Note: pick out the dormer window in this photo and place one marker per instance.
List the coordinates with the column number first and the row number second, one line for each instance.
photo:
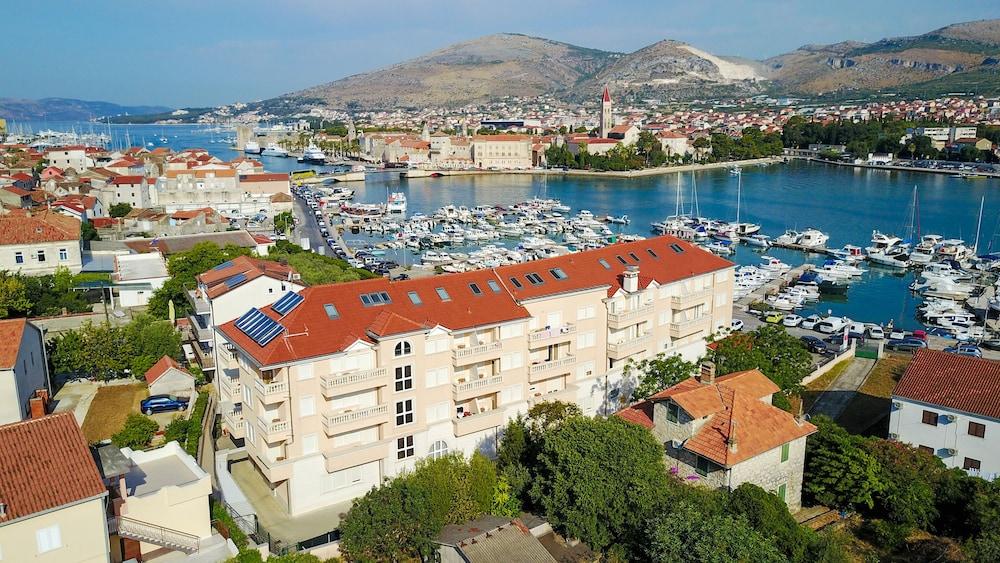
column 673, row 412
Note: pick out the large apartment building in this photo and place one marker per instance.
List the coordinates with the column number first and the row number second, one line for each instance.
column 336, row 387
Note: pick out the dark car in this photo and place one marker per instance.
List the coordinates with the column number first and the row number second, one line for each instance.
column 906, row 345
column 163, row 403
column 965, row 350
column 814, row 344
column 991, row 344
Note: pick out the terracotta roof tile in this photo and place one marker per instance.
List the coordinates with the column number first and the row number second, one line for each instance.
column 161, row 367
column 46, row 226
column 11, row 333
column 640, row 413
column 45, row 464
column 957, row 382
column 214, row 279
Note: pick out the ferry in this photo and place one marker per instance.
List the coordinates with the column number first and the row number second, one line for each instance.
column 396, row 203
column 273, row 149
column 252, row 147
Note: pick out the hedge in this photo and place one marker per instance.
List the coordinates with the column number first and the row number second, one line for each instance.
column 194, row 426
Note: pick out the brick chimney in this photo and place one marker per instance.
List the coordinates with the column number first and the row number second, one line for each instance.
column 630, row 279
column 37, row 407
column 731, row 441
column 707, row 372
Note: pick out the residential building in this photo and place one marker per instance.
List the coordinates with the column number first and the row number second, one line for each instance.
column 501, row 152
column 23, row 368
column 265, row 184
column 38, row 243
column 52, row 497
column 490, row 539
column 941, row 136
column 137, row 276
column 625, row 134
column 673, row 143
column 167, row 377
column 339, row 386
column 133, row 190
column 75, row 157
column 945, row 404
column 723, row 432
column 168, row 245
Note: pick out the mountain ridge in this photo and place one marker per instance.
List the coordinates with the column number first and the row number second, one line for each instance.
column 68, row 109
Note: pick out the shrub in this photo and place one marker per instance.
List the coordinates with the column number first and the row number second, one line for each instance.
column 177, row 430
column 194, row 425
column 137, row 432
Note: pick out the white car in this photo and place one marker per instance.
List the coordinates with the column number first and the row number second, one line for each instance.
column 810, row 322
column 831, row 325
column 874, row 332
column 792, row 320
column 736, row 325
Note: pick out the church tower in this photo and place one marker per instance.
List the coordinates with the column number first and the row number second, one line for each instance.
column 606, row 120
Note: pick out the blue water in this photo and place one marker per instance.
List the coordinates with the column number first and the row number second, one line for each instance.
column 844, row 202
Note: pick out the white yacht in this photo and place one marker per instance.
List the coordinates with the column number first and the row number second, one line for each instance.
column 894, row 257
column 954, row 249
column 849, row 253
column 882, row 242
column 812, row 238
column 758, row 240
column 252, row 147
column 396, row 203
column 790, row 237
column 925, row 250
column 272, row 149
column 313, row 155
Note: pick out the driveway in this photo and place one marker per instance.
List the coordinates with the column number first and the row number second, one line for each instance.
column 835, row 399
column 75, row 397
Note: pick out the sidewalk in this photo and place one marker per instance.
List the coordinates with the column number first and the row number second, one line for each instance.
column 835, row 399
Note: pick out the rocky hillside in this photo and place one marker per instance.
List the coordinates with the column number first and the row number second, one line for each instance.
column 889, row 63
column 66, row 109
column 492, row 66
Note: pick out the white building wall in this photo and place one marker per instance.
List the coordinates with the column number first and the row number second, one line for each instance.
column 949, row 439
column 32, row 264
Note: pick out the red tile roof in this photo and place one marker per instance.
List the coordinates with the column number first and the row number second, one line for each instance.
column 45, row 464
column 118, row 180
column 264, row 178
column 214, row 279
column 952, row 381
column 17, row 191
column 46, row 226
column 11, row 333
column 640, row 413
column 165, row 364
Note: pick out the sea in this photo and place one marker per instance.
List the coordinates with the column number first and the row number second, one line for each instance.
column 844, row 202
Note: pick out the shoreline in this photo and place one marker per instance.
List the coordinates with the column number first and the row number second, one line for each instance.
column 610, row 173
column 891, row 168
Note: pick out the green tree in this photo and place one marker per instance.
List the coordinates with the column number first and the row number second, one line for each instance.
column 659, row 372
column 909, row 477
column 88, row 232
column 150, row 340
column 599, row 480
column 137, row 432
column 183, row 267
column 687, row 534
column 120, row 210
column 546, row 415
column 284, row 221
column 768, row 515
column 13, row 295
column 504, row 501
column 779, row 355
column 839, row 470
column 317, row 269
column 392, row 522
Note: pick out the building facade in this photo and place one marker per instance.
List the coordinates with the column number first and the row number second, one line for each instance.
column 607, row 120
column 37, row 243
column 340, row 386
column 944, row 404
column 23, row 368
column 501, row 152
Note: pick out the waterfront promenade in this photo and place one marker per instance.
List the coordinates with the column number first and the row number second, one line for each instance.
column 891, row 167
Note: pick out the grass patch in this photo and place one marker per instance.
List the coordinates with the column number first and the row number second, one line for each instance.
column 111, row 406
column 871, row 403
column 816, row 387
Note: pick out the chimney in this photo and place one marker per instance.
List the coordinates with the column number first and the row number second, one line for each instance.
column 731, row 442
column 708, row 372
column 37, row 407
column 630, row 279
column 43, row 393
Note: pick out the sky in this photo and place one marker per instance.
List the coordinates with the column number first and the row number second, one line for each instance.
column 183, row 53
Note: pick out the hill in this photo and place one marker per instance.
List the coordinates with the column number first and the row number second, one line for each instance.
column 67, row 109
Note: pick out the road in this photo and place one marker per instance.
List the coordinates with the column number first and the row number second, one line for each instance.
column 306, row 226
column 835, row 398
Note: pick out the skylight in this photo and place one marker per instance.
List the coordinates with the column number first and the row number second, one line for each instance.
column 516, row 283
column 414, row 298
column 604, row 263
column 634, row 257
column 443, row 294
column 558, row 273
column 331, row 311
column 620, row 259
column 651, row 253
column 493, row 285
column 535, row 279
column 376, row 298
column 475, row 289
column 677, row 248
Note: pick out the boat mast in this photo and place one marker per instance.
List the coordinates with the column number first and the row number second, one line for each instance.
column 677, row 198
column 739, row 190
column 979, row 224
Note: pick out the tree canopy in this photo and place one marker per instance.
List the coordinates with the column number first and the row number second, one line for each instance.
column 106, row 351
column 777, row 354
column 659, row 372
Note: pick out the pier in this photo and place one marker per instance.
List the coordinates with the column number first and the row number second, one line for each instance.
column 773, row 286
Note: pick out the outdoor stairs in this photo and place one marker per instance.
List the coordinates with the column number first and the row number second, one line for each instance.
column 157, row 535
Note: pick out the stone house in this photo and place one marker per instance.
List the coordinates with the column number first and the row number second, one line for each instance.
column 723, row 432
column 167, row 377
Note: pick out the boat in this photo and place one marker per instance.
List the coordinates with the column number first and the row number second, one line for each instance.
column 252, row 147
column 812, row 238
column 849, row 253
column 735, row 170
column 790, row 237
column 882, row 242
column 926, row 249
column 313, row 155
column 721, row 247
column 739, row 229
column 272, row 149
column 396, row 203
column 894, row 257
column 758, row 240
column 620, row 220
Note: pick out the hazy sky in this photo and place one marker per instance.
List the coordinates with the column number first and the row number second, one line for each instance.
column 209, row 52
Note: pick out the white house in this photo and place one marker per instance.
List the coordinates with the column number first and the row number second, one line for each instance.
column 137, row 276
column 37, row 243
column 946, row 404
column 167, row 377
column 23, row 368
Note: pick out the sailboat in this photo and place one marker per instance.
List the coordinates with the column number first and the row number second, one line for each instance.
column 742, row 230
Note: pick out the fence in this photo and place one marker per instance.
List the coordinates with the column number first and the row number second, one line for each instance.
column 828, row 365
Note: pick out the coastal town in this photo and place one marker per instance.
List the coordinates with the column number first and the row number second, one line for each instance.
column 621, row 324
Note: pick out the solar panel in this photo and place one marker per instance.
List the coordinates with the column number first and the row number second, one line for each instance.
column 236, row 280
column 259, row 327
column 224, row 265
column 287, row 302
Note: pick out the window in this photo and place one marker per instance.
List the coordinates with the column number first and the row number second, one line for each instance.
column 19, row 257
column 331, row 311
column 310, row 444
column 930, row 417
column 926, row 449
column 438, row 412
column 673, row 412
column 976, row 429
column 511, row 360
column 403, row 349
column 404, row 412
column 604, row 263
column 970, row 463
column 48, row 538
column 414, row 298
column 404, row 378
column 41, row 255
column 438, row 449
column 633, row 256
column 516, row 283
column 703, row 466
column 443, row 294
column 620, row 259
column 404, row 447
column 376, row 298
column 677, row 248
column 558, row 273
column 782, row 491
column 475, row 289
column 307, row 406
column 63, row 254
column 494, row 286
column 435, row 377
column 586, row 340
column 584, row 313
column 651, row 253
column 784, row 452
column 534, row 278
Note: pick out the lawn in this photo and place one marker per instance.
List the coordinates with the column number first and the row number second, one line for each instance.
column 111, row 405
column 871, row 403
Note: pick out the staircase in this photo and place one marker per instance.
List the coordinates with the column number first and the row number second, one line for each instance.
column 157, row 535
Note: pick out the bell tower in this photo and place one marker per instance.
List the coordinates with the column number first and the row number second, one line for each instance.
column 607, row 122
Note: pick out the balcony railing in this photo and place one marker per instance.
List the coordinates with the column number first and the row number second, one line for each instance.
column 552, row 334
column 567, row 393
column 335, row 384
column 616, row 320
column 689, row 327
column 346, row 421
column 477, row 422
column 477, row 387
column 353, row 456
column 231, row 385
column 476, row 353
column 550, row 365
column 629, row 345
column 271, row 392
column 200, row 304
column 688, row 299
column 201, row 330
column 275, row 430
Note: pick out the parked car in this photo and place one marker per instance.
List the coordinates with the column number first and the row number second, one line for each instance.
column 774, row 317
column 874, row 332
column 792, row 320
column 810, row 322
column 965, row 350
column 736, row 325
column 906, row 345
column 163, row 403
column 831, row 325
column 814, row 344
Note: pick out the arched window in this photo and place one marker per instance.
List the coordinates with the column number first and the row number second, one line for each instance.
column 403, row 349
column 438, row 449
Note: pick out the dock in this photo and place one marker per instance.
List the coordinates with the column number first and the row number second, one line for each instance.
column 336, row 177
column 802, row 248
column 774, row 285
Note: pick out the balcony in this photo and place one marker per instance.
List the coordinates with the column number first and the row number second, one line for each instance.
column 629, row 346
column 552, row 335
column 200, row 328
column 473, row 354
column 230, row 386
column 550, row 367
column 199, row 304
column 271, row 393
column 622, row 320
column 477, row 387
column 353, row 456
column 690, row 299
column 274, row 431
column 352, row 381
column 566, row 395
column 477, row 422
column 232, row 419
column 687, row 328
column 341, row 422
column 206, row 359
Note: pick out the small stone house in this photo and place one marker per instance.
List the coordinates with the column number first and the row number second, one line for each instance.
column 724, row 431
column 167, row 377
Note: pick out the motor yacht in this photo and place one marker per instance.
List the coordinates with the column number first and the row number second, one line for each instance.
column 272, row 149
column 313, row 155
column 882, row 242
column 812, row 238
column 252, row 147
column 758, row 240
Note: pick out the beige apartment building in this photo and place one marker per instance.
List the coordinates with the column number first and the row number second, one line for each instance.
column 501, row 152
column 336, row 387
